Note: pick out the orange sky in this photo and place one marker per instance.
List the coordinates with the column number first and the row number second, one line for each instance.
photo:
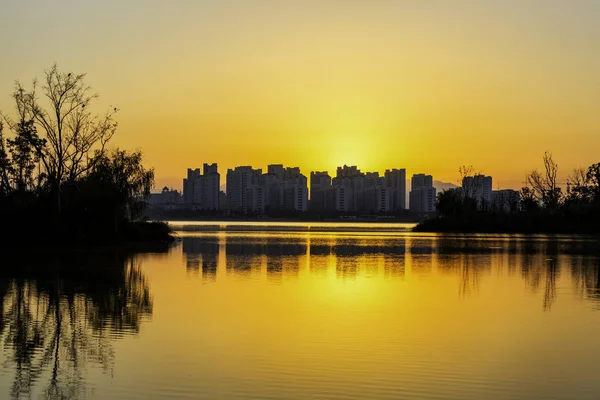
column 425, row 85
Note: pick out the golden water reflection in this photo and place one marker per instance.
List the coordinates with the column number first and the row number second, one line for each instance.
column 307, row 315
column 538, row 260
column 60, row 314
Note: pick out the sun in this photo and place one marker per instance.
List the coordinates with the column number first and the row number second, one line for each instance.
column 353, row 150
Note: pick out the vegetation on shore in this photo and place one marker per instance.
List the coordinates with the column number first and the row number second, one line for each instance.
column 59, row 181
column 542, row 207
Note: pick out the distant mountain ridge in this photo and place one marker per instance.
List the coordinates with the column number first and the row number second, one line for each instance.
column 441, row 186
column 438, row 185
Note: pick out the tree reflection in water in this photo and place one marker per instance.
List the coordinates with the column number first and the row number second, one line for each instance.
column 585, row 273
column 58, row 316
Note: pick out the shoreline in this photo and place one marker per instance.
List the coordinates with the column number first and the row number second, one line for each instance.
column 135, row 237
column 521, row 227
column 373, row 220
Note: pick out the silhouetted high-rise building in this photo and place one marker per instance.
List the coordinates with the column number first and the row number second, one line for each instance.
column 348, row 172
column 478, row 187
column 506, row 200
column 421, row 180
column 395, row 179
column 201, row 191
column 343, row 197
column 378, row 199
column 192, row 187
column 257, row 198
column 295, row 190
column 238, row 181
column 320, row 183
column 223, row 205
column 422, row 194
column 212, row 187
column 352, row 178
column 293, row 173
column 276, row 169
column 273, row 186
column 249, row 190
column 295, row 197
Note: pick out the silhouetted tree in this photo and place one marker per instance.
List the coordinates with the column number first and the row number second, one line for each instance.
column 540, row 206
column 593, row 181
column 25, row 156
column 71, row 132
column 577, row 179
column 117, row 188
column 544, row 186
column 529, row 202
column 468, row 186
column 5, row 165
column 452, row 203
column 57, row 175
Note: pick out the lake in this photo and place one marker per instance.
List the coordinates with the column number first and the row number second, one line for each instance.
column 300, row 311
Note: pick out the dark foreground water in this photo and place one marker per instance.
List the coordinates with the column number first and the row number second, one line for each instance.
column 306, row 315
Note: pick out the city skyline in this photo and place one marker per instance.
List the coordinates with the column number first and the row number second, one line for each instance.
column 300, row 199
column 179, row 186
column 321, row 84
column 284, row 189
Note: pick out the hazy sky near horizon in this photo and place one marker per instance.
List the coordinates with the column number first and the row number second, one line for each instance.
column 425, row 85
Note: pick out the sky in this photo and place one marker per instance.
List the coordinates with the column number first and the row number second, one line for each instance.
column 423, row 85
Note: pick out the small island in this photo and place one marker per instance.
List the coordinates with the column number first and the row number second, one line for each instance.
column 541, row 206
column 60, row 183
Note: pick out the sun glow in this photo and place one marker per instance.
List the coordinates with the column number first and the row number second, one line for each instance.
column 316, row 85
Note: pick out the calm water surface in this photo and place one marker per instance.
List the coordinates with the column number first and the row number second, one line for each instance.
column 296, row 313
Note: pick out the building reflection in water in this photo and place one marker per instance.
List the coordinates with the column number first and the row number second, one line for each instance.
column 321, row 256
column 421, row 255
column 201, row 255
column 538, row 261
column 241, row 256
column 60, row 314
column 347, row 256
column 278, row 257
column 244, row 258
column 284, row 258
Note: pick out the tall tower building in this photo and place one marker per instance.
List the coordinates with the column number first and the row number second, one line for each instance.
column 238, row 181
column 320, row 183
column 395, row 179
column 478, row 187
column 192, row 189
column 201, row 191
column 276, row 169
column 212, row 187
column 422, row 194
column 295, row 190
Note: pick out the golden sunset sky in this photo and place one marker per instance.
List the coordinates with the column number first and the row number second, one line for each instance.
column 425, row 85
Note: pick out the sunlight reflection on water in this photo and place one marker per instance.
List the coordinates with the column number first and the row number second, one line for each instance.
column 305, row 314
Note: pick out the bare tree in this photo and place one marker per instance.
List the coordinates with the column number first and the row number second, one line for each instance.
column 468, row 185
column 544, row 186
column 577, row 177
column 577, row 185
column 72, row 133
